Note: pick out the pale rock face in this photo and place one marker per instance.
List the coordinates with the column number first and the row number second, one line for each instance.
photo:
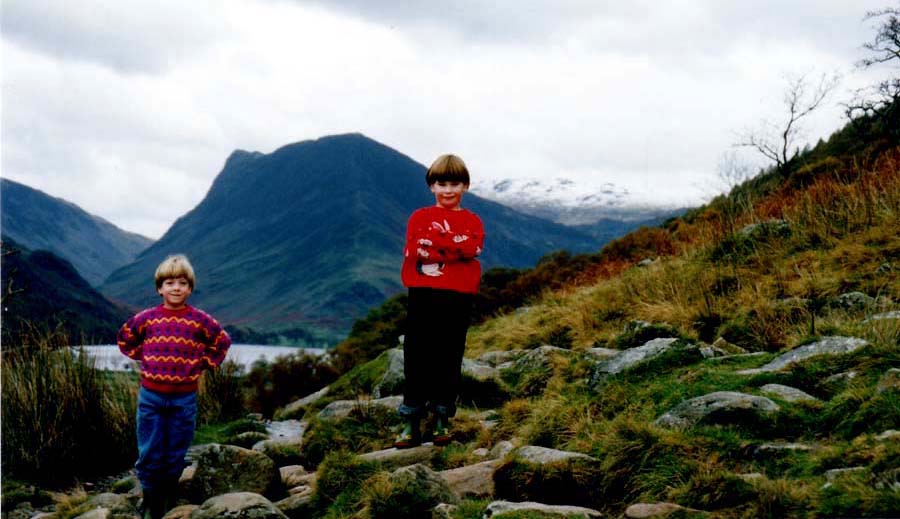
column 342, row 408
column 790, row 394
column 543, row 455
column 826, row 346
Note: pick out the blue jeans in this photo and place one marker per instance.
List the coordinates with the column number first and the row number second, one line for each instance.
column 165, row 429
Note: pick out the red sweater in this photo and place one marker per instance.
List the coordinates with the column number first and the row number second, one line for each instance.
column 173, row 346
column 441, row 250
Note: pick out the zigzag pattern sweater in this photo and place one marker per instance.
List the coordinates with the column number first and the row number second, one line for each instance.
column 173, row 346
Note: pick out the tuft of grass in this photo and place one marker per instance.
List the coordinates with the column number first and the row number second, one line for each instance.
column 366, row 429
column 59, row 411
column 340, row 476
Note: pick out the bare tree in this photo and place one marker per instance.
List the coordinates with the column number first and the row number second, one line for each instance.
column 884, row 48
column 802, row 97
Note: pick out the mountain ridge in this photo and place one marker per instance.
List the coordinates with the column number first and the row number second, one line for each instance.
column 319, row 225
column 39, row 221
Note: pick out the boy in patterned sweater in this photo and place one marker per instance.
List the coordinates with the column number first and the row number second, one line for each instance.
column 442, row 272
column 174, row 342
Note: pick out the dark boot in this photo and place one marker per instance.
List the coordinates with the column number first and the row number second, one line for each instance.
column 151, row 504
column 410, row 436
column 442, row 432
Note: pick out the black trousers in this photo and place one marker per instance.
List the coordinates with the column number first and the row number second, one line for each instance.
column 436, row 326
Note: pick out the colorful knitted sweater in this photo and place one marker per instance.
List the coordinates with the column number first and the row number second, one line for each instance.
column 442, row 247
column 173, row 346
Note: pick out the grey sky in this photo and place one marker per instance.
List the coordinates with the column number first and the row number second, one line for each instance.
column 129, row 108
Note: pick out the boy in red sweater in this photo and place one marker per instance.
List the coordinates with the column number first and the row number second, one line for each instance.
column 442, row 272
column 174, row 342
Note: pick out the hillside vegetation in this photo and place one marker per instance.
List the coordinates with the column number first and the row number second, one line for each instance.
column 787, row 259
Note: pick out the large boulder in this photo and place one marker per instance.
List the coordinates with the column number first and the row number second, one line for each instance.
column 238, row 505
column 718, row 407
column 499, row 509
column 220, row 469
column 825, row 346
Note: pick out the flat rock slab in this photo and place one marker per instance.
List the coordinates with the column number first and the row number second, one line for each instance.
column 342, row 408
column 401, row 457
column 285, row 432
column 543, row 455
column 629, row 358
column 500, row 508
column 788, row 393
column 719, row 406
column 826, row 346
column 894, row 314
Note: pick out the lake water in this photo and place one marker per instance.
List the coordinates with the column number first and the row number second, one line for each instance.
column 108, row 356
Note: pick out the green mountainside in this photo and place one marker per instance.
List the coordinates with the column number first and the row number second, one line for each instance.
column 311, row 236
column 94, row 246
column 43, row 292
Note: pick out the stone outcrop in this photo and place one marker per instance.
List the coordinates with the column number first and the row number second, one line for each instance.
column 852, row 301
column 538, row 359
column 890, row 380
column 718, row 407
column 826, row 346
column 499, row 358
column 498, row 509
column 238, row 505
column 221, row 469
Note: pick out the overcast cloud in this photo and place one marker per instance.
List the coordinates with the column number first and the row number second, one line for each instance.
column 130, row 108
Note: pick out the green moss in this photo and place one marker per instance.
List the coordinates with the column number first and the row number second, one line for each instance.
column 360, row 380
column 364, row 430
column 338, row 483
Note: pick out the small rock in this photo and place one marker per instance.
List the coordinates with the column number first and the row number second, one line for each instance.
column 648, row 510
column 499, row 508
column 296, row 505
column 751, row 476
column 392, row 457
column 443, row 511
column 787, row 393
column 629, row 358
column 721, row 405
column 890, row 380
column 780, row 447
column 724, row 345
column 502, row 449
column 424, row 483
column 472, row 480
column 181, row 512
column 496, row 358
column 646, row 262
column 833, row 474
column 481, row 453
column 291, row 475
column 853, row 301
column 239, row 505
column 479, row 371
column 96, row 513
column 602, row 353
column 890, row 434
column 895, row 314
column 543, row 455
column 773, row 227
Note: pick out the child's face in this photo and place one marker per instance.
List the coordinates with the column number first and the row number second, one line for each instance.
column 448, row 194
column 174, row 292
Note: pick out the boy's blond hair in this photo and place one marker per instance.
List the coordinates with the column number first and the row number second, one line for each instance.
column 447, row 168
column 176, row 266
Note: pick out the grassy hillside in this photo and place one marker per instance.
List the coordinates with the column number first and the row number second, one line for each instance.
column 782, row 261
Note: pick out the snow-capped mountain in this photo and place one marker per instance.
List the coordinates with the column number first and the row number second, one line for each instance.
column 569, row 202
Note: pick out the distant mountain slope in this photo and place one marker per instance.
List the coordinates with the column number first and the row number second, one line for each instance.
column 312, row 234
column 47, row 291
column 94, row 246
